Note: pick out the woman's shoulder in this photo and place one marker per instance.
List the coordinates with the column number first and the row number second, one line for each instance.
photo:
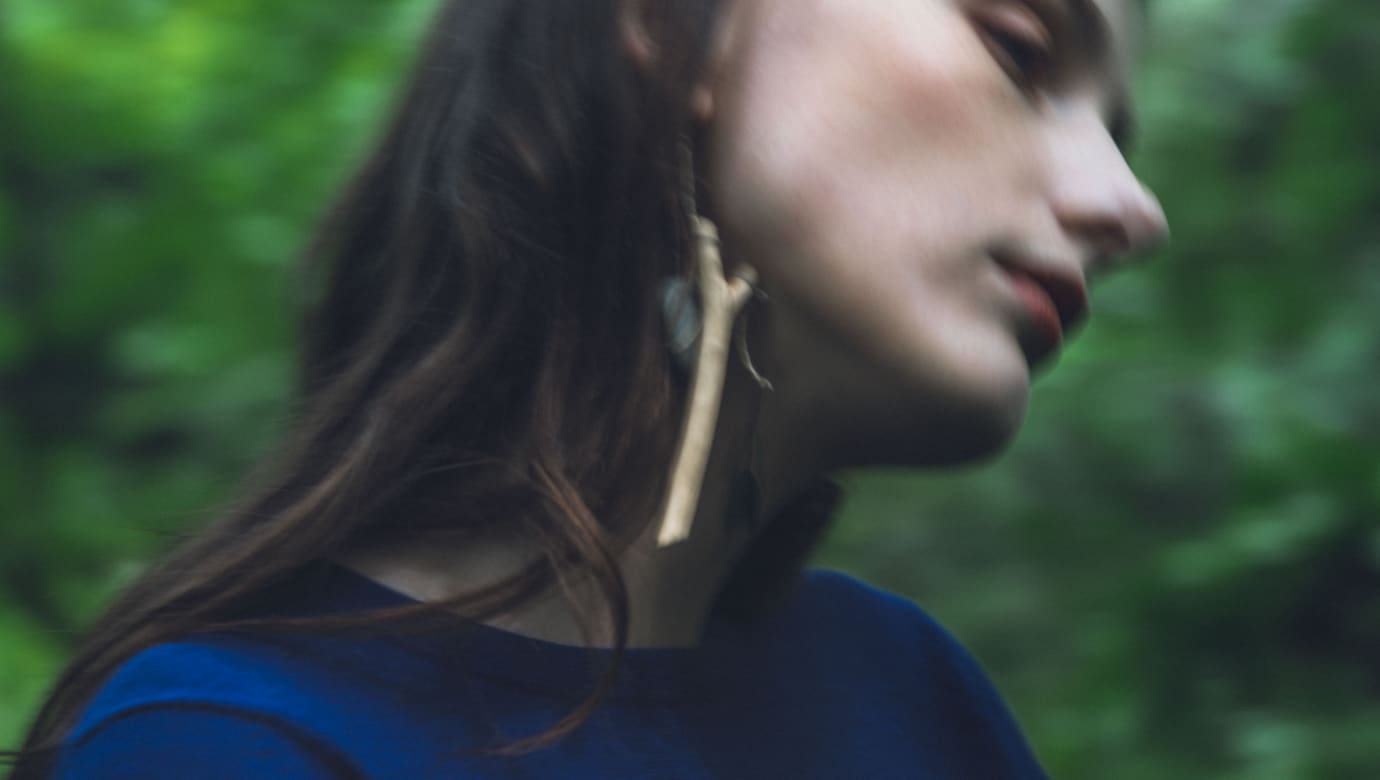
column 884, row 630
column 223, row 671
column 212, row 706
column 203, row 664
column 905, row 660
column 837, row 601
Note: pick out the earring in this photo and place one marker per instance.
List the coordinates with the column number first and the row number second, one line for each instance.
column 708, row 328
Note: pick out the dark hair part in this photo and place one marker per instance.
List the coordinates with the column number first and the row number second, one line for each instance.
column 481, row 345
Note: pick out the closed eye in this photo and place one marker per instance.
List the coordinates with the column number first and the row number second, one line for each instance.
column 1019, row 41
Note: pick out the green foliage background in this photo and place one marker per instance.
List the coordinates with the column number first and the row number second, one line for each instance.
column 1175, row 572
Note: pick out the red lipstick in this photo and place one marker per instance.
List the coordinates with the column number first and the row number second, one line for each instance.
column 1044, row 314
column 1055, row 299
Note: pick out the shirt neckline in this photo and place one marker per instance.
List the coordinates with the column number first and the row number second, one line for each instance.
column 526, row 664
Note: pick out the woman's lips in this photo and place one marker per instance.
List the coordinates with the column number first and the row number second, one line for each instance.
column 1055, row 301
column 1043, row 314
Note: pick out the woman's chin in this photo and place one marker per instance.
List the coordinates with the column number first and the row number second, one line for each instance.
column 987, row 431
column 929, row 403
column 978, row 429
column 977, row 412
column 962, row 425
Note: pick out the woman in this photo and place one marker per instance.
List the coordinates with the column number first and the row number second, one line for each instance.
column 497, row 544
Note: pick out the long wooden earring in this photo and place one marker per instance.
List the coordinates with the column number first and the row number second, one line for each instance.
column 720, row 300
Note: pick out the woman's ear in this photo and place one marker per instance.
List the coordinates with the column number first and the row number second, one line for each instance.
column 636, row 40
column 709, row 84
column 640, row 47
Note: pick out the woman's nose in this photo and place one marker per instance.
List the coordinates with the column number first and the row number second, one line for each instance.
column 1098, row 200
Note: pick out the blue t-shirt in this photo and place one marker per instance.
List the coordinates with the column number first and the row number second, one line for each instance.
column 844, row 681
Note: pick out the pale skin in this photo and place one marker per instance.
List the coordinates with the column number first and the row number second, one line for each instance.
column 871, row 159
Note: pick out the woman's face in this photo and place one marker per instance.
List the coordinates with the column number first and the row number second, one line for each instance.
column 925, row 187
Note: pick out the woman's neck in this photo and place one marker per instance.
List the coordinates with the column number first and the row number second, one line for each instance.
column 671, row 590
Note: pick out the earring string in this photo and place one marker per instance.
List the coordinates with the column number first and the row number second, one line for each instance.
column 721, row 299
column 690, row 197
column 744, row 354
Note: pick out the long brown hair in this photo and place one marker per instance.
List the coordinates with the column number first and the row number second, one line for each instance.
column 481, row 348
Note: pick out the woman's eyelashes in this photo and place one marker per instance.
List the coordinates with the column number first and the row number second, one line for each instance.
column 1019, row 41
